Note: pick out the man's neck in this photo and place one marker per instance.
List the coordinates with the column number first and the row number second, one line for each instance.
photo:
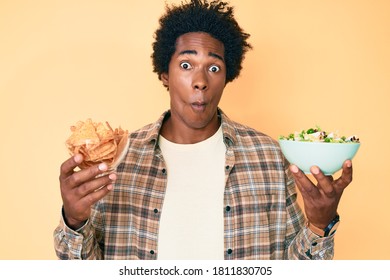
column 179, row 133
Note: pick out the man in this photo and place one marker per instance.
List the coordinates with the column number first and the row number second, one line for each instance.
column 194, row 184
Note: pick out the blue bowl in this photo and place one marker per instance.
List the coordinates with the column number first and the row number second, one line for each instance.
column 329, row 157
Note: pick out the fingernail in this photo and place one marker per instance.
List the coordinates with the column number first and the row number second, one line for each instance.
column 349, row 164
column 110, row 187
column 315, row 170
column 112, row 176
column 294, row 169
column 102, row 167
column 78, row 158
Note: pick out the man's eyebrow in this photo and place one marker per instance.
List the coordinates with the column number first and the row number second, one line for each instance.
column 216, row 56
column 188, row 52
column 195, row 52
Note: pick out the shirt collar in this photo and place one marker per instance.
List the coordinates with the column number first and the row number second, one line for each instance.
column 228, row 129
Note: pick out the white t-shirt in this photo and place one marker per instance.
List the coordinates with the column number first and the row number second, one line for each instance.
column 191, row 225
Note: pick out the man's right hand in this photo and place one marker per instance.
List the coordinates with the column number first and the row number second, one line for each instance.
column 81, row 189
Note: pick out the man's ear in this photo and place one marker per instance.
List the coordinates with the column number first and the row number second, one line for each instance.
column 165, row 79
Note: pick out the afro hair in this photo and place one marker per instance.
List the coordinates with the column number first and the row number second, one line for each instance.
column 215, row 18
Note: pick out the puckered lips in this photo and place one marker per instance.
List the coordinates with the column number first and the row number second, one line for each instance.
column 198, row 106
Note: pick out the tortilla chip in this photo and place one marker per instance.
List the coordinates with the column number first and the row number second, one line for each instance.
column 83, row 133
column 97, row 142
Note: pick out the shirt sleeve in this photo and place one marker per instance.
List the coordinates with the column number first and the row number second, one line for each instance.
column 76, row 244
column 308, row 245
column 301, row 242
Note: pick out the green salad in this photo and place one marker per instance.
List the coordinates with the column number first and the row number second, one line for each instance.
column 318, row 135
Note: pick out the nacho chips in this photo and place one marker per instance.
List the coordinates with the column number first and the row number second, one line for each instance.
column 97, row 142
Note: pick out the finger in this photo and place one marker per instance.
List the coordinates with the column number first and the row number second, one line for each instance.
column 330, row 177
column 85, row 175
column 304, row 184
column 346, row 176
column 97, row 195
column 95, row 184
column 68, row 166
column 324, row 182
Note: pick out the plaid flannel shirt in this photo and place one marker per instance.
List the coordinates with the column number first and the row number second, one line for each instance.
column 262, row 219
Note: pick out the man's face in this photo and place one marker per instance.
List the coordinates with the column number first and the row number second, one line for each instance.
column 196, row 80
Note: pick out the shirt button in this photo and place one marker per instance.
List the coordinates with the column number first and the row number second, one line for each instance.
column 155, row 211
column 152, row 252
column 227, row 208
column 164, row 171
column 314, row 244
column 229, row 251
column 227, row 167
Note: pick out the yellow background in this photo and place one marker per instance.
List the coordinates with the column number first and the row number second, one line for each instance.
column 313, row 62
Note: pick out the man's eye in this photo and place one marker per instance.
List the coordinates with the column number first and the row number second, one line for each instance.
column 214, row 69
column 185, row 65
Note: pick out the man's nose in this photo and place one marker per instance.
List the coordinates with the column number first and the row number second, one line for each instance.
column 200, row 80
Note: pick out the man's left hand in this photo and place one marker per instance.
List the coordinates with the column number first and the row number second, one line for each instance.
column 321, row 200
